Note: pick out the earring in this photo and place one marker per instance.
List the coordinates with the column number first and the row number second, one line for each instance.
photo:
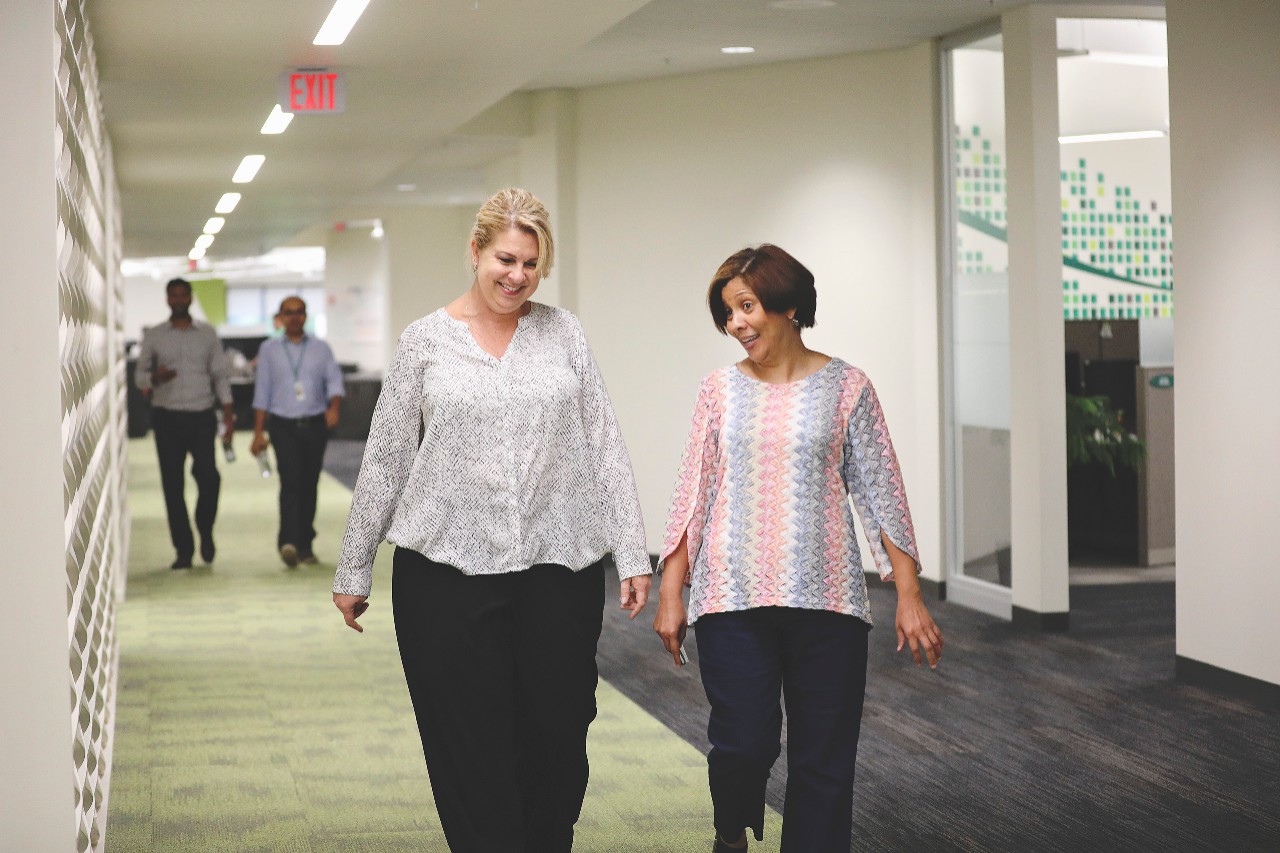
column 795, row 322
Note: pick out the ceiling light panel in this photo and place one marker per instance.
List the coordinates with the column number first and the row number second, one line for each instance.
column 227, row 203
column 1112, row 137
column 249, row 167
column 214, row 225
column 204, row 241
column 342, row 17
column 277, row 121
column 796, row 5
column 737, row 50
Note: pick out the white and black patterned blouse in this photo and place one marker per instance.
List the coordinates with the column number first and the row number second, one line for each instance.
column 521, row 460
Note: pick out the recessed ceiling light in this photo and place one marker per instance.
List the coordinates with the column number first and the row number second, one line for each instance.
column 1141, row 59
column 737, row 50
column 1112, row 137
column 227, row 203
column 277, row 121
column 204, row 241
column 342, row 17
column 195, row 254
column 406, row 188
column 790, row 5
column 214, row 225
column 249, row 167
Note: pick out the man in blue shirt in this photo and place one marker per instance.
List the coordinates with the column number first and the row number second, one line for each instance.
column 297, row 398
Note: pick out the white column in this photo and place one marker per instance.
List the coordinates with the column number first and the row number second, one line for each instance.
column 36, row 769
column 547, row 164
column 1036, row 343
column 426, row 261
column 1224, row 80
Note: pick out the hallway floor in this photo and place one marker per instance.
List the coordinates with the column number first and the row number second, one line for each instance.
column 251, row 719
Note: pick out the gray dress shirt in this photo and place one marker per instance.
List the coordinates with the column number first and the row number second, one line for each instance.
column 196, row 354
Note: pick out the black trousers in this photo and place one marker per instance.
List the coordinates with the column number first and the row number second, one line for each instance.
column 177, row 435
column 299, row 446
column 817, row 660
column 502, row 673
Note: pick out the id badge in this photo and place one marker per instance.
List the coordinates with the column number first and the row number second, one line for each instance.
column 299, row 392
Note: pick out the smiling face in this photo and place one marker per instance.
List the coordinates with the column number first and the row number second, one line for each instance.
column 762, row 333
column 506, row 271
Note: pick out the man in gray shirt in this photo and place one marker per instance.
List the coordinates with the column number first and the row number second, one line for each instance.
column 181, row 364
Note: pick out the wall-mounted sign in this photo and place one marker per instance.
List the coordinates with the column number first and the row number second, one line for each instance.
column 313, row 91
column 1162, row 380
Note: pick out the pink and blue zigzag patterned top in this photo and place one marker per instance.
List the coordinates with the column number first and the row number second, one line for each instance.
column 764, row 487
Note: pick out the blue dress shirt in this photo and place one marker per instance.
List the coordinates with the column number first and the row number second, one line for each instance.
column 283, row 366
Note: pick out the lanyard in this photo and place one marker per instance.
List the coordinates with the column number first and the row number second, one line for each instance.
column 295, row 366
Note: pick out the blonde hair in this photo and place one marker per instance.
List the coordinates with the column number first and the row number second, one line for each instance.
column 516, row 208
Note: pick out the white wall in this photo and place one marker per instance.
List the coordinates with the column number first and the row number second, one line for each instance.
column 356, row 283
column 37, row 809
column 831, row 159
column 426, row 262
column 1224, row 75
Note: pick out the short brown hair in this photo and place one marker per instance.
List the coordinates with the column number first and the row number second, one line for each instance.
column 778, row 280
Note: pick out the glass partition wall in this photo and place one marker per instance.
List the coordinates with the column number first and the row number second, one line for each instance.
column 976, row 305
column 1116, row 232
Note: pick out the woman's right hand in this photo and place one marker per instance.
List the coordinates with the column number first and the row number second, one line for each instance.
column 352, row 607
column 670, row 622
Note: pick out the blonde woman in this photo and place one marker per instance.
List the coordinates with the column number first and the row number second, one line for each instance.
column 495, row 466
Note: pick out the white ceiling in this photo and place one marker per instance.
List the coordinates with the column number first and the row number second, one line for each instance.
column 187, row 85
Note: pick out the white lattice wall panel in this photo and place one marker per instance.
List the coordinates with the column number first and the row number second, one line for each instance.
column 93, row 429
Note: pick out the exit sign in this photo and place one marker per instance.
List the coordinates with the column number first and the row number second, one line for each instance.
column 312, row 90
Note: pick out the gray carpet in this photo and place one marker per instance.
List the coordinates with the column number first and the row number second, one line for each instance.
column 1031, row 742
column 1021, row 741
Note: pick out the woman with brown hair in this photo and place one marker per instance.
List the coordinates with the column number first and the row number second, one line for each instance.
column 762, row 531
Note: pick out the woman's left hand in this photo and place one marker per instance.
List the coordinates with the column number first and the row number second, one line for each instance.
column 914, row 624
column 917, row 629
column 635, row 594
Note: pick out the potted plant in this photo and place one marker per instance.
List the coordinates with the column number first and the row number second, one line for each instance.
column 1096, row 433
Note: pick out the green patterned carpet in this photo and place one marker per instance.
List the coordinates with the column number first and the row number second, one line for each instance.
column 250, row 718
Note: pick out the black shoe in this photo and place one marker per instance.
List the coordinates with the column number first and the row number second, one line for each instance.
column 721, row 847
column 181, row 563
column 207, row 550
column 308, row 559
column 289, row 553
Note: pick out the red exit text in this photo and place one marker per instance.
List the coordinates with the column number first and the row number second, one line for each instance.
column 312, row 91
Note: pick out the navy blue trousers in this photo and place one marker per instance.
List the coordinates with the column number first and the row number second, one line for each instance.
column 299, row 445
column 817, row 661
column 502, row 673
